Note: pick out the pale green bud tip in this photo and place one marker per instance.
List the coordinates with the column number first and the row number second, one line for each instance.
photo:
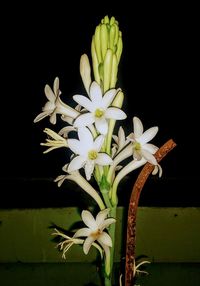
column 85, row 71
column 119, row 98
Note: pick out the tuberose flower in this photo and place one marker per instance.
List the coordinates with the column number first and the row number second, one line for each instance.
column 55, row 105
column 140, row 139
column 55, row 141
column 88, row 152
column 94, row 230
column 98, row 107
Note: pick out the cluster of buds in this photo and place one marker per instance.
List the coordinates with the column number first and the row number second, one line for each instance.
column 106, row 52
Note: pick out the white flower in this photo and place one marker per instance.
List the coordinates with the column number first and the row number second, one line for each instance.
column 55, row 141
column 98, row 107
column 141, row 147
column 87, row 151
column 94, row 230
column 55, row 105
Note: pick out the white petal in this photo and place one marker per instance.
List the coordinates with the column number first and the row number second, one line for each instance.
column 101, row 216
column 103, row 159
column 77, row 163
column 137, row 155
column 105, row 238
column 89, row 220
column 148, row 135
column 89, row 168
column 101, row 125
column 108, row 98
column 106, row 223
column 56, row 86
column 49, row 93
column 149, row 157
column 84, row 120
column 98, row 143
column 115, row 113
column 137, row 127
column 82, row 232
column 87, row 244
column 41, row 116
column 74, row 145
column 84, row 101
column 53, row 118
column 150, row 148
column 95, row 93
column 85, row 138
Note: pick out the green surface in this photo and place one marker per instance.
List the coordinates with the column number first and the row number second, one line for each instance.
column 169, row 237
column 85, row 274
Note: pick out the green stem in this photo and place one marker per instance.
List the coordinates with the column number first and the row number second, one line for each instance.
column 108, row 276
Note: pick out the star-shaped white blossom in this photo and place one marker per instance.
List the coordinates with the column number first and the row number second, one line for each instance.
column 94, row 230
column 88, row 152
column 55, row 105
column 98, row 107
column 141, row 147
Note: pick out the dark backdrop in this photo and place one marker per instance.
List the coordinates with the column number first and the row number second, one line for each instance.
column 158, row 73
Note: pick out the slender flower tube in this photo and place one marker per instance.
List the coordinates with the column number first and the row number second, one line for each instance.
column 82, row 182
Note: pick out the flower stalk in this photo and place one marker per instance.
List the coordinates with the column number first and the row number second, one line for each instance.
column 95, row 151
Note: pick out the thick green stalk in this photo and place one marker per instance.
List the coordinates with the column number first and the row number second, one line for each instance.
column 108, row 276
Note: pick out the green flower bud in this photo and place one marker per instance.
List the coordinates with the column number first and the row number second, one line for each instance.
column 106, row 52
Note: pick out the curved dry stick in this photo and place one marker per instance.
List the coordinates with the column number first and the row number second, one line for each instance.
column 132, row 212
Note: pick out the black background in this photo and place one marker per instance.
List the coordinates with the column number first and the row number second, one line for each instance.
column 158, row 73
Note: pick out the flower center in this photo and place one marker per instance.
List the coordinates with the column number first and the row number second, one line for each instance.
column 137, row 146
column 96, row 234
column 92, row 154
column 99, row 112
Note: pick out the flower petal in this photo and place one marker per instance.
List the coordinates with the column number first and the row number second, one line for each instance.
column 89, row 168
column 108, row 97
column 149, row 157
column 106, row 223
column 101, row 125
column 101, row 216
column 74, row 145
column 49, row 93
column 115, row 113
column 84, row 120
column 95, row 93
column 103, row 159
column 98, row 143
column 41, row 116
column 137, row 127
column 85, row 138
column 77, row 163
column 84, row 101
column 53, row 118
column 87, row 244
column 148, row 135
column 89, row 220
column 105, row 238
column 56, row 86
column 150, row 148
column 82, row 232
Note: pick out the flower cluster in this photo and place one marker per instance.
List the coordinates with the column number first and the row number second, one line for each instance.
column 89, row 136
